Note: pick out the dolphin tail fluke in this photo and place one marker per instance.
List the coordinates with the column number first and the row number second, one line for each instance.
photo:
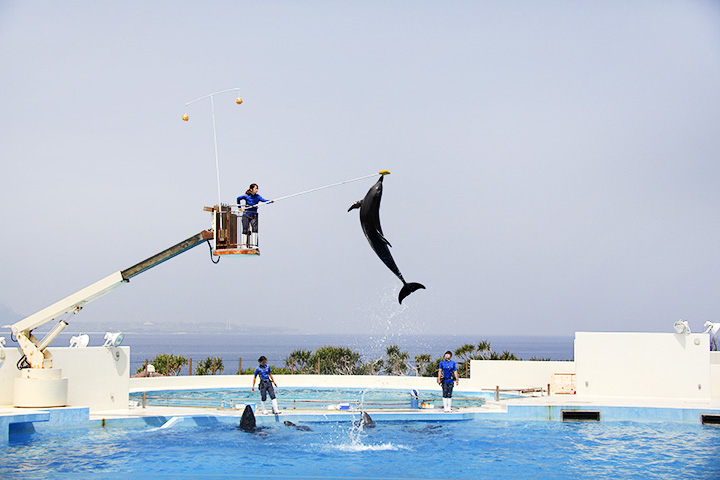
column 409, row 288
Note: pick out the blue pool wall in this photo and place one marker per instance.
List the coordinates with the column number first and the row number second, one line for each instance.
column 79, row 417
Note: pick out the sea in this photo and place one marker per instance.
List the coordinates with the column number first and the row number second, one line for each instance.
column 242, row 351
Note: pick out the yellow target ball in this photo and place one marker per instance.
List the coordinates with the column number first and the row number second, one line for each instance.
column 185, row 117
column 238, row 100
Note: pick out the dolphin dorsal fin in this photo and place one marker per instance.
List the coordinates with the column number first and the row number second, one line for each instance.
column 357, row 204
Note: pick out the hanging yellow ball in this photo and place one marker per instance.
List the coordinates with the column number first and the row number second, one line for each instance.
column 185, row 117
column 238, row 100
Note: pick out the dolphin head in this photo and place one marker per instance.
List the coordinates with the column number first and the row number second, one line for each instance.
column 371, row 202
column 366, row 421
column 247, row 421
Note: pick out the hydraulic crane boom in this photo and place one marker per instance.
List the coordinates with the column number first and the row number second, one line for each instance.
column 36, row 352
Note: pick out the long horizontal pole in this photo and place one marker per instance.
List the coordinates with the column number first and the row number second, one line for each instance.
column 382, row 172
column 211, row 94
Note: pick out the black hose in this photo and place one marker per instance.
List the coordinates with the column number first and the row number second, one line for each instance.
column 22, row 363
column 211, row 255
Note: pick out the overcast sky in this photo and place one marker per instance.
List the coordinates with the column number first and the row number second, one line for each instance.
column 554, row 164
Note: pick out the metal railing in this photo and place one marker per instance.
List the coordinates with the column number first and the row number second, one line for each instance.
column 352, row 404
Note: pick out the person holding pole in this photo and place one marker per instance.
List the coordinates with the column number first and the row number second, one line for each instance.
column 250, row 216
column 266, row 385
column 447, row 378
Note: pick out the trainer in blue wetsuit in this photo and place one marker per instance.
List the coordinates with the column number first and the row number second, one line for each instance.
column 447, row 378
column 250, row 216
column 266, row 385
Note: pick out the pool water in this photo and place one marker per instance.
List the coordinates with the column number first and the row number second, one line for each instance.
column 469, row 449
column 307, row 398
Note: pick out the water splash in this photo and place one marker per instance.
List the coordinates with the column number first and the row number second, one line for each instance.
column 387, row 320
column 359, row 447
column 362, row 398
column 355, row 439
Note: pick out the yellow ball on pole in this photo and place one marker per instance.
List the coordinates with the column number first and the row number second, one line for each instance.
column 238, row 100
column 185, row 118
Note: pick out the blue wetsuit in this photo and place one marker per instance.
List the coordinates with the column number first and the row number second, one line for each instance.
column 448, row 368
column 265, row 386
column 250, row 217
column 250, row 201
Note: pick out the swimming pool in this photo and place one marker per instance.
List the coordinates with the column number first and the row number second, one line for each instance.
column 308, row 398
column 460, row 449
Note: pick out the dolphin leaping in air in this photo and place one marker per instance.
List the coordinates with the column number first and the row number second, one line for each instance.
column 370, row 222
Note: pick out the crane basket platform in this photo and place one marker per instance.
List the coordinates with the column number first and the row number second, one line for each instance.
column 225, row 231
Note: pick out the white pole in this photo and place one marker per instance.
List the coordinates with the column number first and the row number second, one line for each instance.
column 211, row 94
column 212, row 108
column 217, row 162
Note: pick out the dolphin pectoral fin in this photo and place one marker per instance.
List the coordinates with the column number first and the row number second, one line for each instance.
column 407, row 289
column 357, row 204
column 382, row 237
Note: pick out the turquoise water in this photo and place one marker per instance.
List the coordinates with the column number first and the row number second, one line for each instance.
column 307, row 398
column 470, row 449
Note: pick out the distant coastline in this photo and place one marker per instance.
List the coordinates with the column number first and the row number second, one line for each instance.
column 236, row 348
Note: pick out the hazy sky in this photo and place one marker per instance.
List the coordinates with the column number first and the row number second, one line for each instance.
column 554, row 164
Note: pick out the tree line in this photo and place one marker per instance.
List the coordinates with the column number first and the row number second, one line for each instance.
column 395, row 361
column 345, row 361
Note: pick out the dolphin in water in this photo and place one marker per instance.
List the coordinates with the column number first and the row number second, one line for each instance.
column 303, row 428
column 247, row 421
column 370, row 222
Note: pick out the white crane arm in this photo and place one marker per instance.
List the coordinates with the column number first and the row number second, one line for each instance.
column 35, row 351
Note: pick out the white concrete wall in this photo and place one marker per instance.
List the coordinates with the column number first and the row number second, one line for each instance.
column 612, row 364
column 714, row 358
column 513, row 374
column 715, row 380
column 715, row 373
column 98, row 376
column 643, row 365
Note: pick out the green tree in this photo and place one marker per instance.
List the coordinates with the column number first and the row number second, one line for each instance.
column 373, row 367
column 420, row 361
column 299, row 360
column 505, row 355
column 335, row 361
column 166, row 364
column 396, row 361
column 468, row 352
column 465, row 352
column 432, row 368
column 209, row 366
column 483, row 350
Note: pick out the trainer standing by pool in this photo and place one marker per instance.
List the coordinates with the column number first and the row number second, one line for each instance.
column 446, row 371
column 250, row 216
column 266, row 385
